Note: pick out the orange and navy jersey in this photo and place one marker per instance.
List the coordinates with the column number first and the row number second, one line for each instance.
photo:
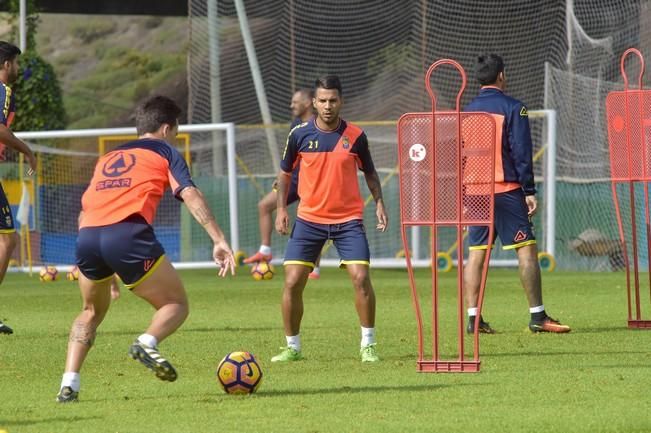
column 131, row 180
column 296, row 122
column 8, row 105
column 513, row 156
column 329, row 160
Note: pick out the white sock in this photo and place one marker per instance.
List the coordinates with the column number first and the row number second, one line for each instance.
column 294, row 341
column 72, row 380
column 538, row 309
column 265, row 249
column 149, row 340
column 368, row 336
column 472, row 312
column 316, row 270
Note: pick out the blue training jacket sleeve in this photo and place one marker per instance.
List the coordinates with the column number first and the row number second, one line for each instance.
column 521, row 148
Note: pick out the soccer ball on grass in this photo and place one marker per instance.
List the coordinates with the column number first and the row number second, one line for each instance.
column 48, row 273
column 262, row 271
column 73, row 275
column 239, row 373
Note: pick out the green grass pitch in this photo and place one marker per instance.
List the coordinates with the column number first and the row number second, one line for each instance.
column 596, row 379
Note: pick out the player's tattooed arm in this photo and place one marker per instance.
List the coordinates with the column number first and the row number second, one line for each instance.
column 282, row 218
column 198, row 207
column 196, row 203
column 282, row 186
column 374, row 185
column 7, row 137
column 202, row 214
column 83, row 333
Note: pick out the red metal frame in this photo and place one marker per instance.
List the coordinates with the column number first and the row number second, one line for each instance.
column 436, row 364
column 634, row 158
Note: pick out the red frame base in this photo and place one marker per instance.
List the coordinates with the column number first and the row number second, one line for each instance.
column 639, row 324
column 448, row 366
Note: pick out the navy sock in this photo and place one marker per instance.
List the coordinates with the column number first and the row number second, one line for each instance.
column 538, row 317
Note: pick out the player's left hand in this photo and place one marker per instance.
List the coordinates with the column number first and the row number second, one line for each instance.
column 282, row 221
column 382, row 219
column 532, row 204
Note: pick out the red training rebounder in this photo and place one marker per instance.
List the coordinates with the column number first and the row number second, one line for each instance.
column 628, row 118
column 447, row 173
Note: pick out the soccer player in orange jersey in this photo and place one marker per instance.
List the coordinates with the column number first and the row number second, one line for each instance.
column 330, row 152
column 116, row 236
column 8, row 73
column 302, row 111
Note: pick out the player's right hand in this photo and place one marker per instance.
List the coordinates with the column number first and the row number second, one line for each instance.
column 532, row 204
column 382, row 218
column 223, row 256
column 282, row 221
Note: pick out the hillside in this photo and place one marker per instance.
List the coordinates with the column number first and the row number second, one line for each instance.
column 106, row 64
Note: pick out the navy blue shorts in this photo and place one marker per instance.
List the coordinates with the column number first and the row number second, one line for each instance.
column 128, row 248
column 512, row 223
column 6, row 218
column 307, row 240
column 292, row 193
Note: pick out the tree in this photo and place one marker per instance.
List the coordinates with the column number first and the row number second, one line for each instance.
column 39, row 102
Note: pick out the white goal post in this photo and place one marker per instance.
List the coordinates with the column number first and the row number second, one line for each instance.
column 205, row 148
column 36, row 138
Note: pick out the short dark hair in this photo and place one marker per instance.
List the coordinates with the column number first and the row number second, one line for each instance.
column 488, row 68
column 308, row 93
column 8, row 52
column 328, row 82
column 155, row 112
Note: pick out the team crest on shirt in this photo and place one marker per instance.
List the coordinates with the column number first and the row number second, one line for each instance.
column 116, row 166
column 345, row 142
column 119, row 164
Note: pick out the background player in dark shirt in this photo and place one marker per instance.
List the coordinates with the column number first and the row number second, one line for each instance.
column 515, row 198
column 302, row 111
column 8, row 73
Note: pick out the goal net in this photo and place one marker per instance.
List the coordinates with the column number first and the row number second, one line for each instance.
column 381, row 54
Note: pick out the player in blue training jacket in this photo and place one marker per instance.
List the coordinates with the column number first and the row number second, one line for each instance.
column 515, row 198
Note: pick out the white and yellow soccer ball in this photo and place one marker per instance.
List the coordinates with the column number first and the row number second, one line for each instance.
column 73, row 274
column 239, row 373
column 48, row 273
column 262, row 271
